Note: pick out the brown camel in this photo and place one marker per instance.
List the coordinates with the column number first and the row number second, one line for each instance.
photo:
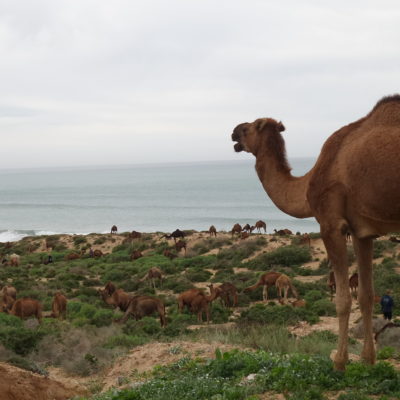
column 236, row 229
column 283, row 284
column 72, row 256
column 228, row 294
column 201, row 304
column 305, row 239
column 119, row 298
column 142, row 306
column 14, row 260
column 335, row 192
column 244, row 235
column 10, row 291
column 212, row 231
column 152, row 274
column 298, row 303
column 266, row 280
column 261, row 225
column 169, row 254
column 135, row 235
column 283, row 232
column 136, row 254
column 59, row 306
column 179, row 245
column 114, row 229
column 110, row 288
column 97, row 253
column 246, row 228
column 25, row 308
column 186, row 298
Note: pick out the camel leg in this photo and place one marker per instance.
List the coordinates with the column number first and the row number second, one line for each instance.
column 335, row 243
column 363, row 249
column 265, row 292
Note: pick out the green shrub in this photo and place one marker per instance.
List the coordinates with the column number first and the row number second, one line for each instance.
column 197, row 276
column 323, row 307
column 385, row 353
column 123, row 340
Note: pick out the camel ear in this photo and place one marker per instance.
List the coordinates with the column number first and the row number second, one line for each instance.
column 280, row 127
column 261, row 124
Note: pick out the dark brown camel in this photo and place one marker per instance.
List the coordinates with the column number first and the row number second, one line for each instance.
column 334, row 192
column 135, row 235
column 110, row 288
column 236, row 229
column 266, row 280
column 97, row 253
column 212, row 231
column 261, row 225
column 142, row 306
column 246, row 228
column 169, row 254
column 283, row 232
column 174, row 235
column 353, row 283
column 136, row 255
column 114, row 229
column 179, row 245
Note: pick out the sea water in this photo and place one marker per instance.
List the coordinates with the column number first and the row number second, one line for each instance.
column 146, row 198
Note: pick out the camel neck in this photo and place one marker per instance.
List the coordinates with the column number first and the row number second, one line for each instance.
column 289, row 193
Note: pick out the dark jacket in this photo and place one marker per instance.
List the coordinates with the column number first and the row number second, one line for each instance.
column 387, row 303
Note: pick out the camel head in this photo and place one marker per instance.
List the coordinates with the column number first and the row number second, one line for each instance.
column 250, row 136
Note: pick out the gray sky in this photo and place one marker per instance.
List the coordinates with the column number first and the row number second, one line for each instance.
column 120, row 82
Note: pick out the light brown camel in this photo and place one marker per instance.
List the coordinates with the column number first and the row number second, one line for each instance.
column 25, row 308
column 142, row 306
column 212, row 231
column 10, row 291
column 186, row 298
column 228, row 294
column 261, row 225
column 354, row 186
column 266, row 280
column 236, row 229
column 59, row 306
column 283, row 284
column 201, row 303
column 152, row 274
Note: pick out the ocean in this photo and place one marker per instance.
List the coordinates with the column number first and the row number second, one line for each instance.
column 145, row 198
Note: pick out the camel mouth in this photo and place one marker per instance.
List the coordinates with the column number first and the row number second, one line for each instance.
column 238, row 147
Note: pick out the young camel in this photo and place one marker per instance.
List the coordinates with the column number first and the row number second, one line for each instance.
column 283, row 284
column 266, row 280
column 201, row 303
column 335, row 193
column 152, row 274
column 228, row 294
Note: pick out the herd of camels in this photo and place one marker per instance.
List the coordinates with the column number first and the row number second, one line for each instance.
column 353, row 187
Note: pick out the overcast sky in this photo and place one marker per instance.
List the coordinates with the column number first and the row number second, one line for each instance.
column 121, row 82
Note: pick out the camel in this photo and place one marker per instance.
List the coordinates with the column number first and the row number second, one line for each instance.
column 179, row 245
column 174, row 235
column 59, row 306
column 186, row 298
column 169, row 254
column 114, row 229
column 236, row 229
column 266, row 280
column 247, row 228
column 212, row 231
column 10, row 291
column 135, row 235
column 244, row 235
column 136, row 254
column 141, row 306
column 261, row 225
column 228, row 294
column 72, row 256
column 152, row 274
column 14, row 260
column 335, row 192
column 201, row 303
column 283, row 284
column 25, row 308
column 118, row 299
column 110, row 288
column 283, row 232
column 97, row 253
column 298, row 303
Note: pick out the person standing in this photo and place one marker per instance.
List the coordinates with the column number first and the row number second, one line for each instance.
column 387, row 305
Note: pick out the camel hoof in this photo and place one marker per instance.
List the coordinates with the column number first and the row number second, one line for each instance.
column 339, row 366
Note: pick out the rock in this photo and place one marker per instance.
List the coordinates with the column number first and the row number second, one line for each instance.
column 358, row 330
column 389, row 337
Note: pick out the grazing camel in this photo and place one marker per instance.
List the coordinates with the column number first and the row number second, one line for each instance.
column 335, row 193
column 136, row 254
column 186, row 298
column 266, row 280
column 212, row 231
column 59, row 306
column 353, row 283
column 261, row 225
column 283, row 284
column 169, row 254
column 118, row 299
column 236, row 229
column 247, row 228
column 283, row 232
column 228, row 294
column 25, row 308
column 114, row 229
column 142, row 306
column 174, row 235
column 179, row 245
column 152, row 274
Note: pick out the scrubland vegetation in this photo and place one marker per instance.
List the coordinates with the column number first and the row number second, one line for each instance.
column 275, row 360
